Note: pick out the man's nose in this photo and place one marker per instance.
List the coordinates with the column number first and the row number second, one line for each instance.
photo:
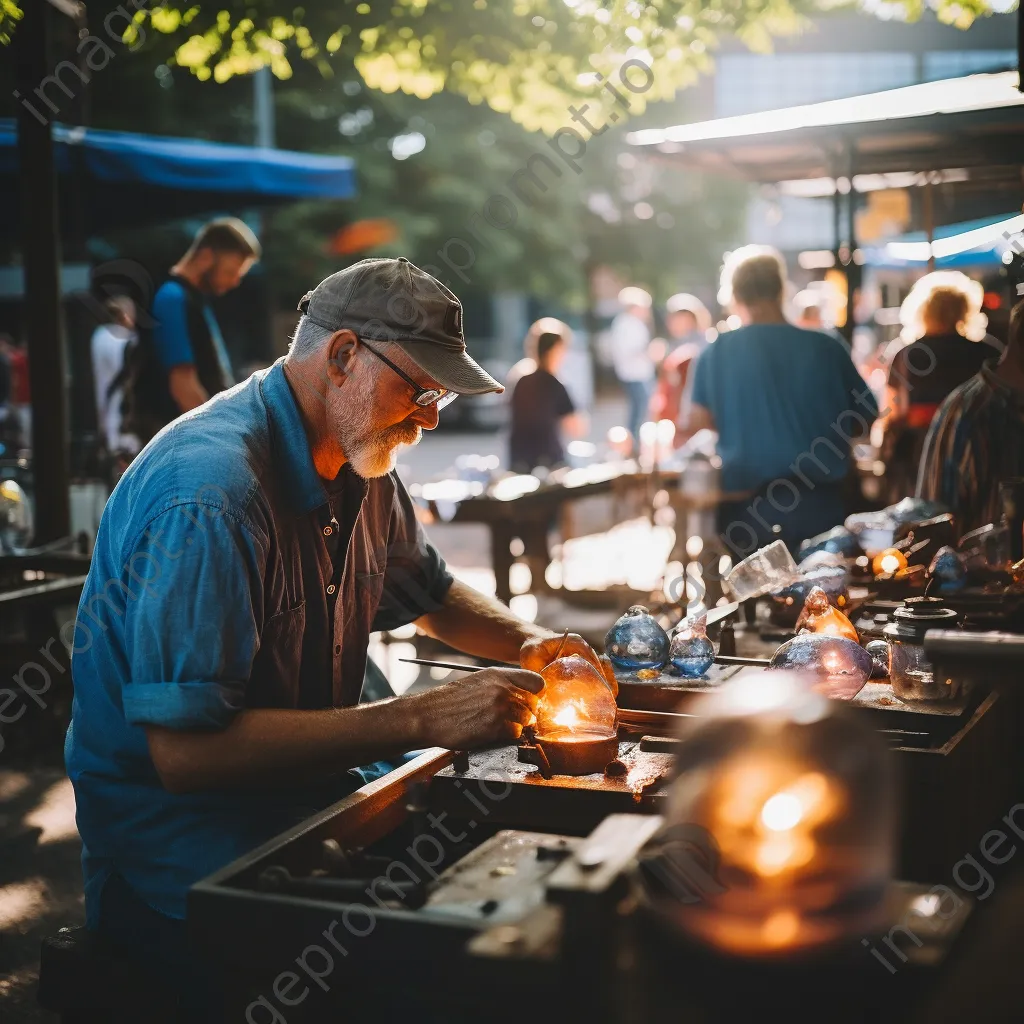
column 426, row 416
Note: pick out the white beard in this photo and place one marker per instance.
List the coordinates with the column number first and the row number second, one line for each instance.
column 373, row 454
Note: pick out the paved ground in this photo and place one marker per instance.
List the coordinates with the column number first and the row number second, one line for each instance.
column 40, row 882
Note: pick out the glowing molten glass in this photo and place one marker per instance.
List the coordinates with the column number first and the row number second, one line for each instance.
column 576, row 702
column 818, row 616
column 888, row 562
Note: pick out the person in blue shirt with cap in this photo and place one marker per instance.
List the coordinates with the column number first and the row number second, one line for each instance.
column 241, row 563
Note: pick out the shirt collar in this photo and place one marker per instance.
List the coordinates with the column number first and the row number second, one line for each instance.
column 304, row 485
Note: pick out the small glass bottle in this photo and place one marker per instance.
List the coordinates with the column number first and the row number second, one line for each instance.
column 911, row 674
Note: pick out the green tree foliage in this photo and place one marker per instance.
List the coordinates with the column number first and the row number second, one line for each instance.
column 525, row 58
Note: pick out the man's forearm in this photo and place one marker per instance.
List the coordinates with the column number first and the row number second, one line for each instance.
column 479, row 625
column 275, row 746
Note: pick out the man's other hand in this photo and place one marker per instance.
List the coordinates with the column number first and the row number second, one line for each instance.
column 486, row 707
column 536, row 655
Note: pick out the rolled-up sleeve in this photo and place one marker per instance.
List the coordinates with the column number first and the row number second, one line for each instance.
column 192, row 634
column 416, row 579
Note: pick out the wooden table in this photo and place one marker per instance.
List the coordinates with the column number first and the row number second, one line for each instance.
column 524, row 507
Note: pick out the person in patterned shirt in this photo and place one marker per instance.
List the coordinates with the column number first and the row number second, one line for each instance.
column 976, row 440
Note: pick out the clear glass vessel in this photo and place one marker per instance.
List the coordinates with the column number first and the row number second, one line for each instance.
column 910, row 672
column 691, row 652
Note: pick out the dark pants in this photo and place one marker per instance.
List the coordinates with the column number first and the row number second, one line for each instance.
column 786, row 510
column 158, row 946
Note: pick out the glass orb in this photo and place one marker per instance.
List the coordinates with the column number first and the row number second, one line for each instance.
column 888, row 562
column 636, row 641
column 948, row 570
column 839, row 541
column 576, row 702
column 879, row 651
column 786, row 800
column 834, row 666
column 691, row 652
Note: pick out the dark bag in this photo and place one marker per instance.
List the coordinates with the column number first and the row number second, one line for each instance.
column 148, row 405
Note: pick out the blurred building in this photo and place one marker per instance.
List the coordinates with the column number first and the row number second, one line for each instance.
column 849, row 55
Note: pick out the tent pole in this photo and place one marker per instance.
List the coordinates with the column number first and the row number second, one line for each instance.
column 1020, row 47
column 929, row 218
column 41, row 258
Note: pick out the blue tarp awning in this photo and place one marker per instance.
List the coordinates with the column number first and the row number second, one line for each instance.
column 973, row 243
column 114, row 175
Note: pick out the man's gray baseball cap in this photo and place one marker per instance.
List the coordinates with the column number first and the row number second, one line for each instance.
column 393, row 300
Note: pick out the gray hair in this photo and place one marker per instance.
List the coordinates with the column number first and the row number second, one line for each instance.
column 308, row 338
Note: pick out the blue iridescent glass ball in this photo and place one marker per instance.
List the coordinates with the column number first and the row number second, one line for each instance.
column 839, row 667
column 839, row 541
column 636, row 641
column 691, row 652
column 948, row 570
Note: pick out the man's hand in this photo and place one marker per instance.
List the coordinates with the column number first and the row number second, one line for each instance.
column 487, row 707
column 537, row 654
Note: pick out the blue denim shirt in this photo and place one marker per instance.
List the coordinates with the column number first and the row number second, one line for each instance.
column 226, row 575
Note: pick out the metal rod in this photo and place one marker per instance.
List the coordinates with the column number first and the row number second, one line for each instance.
column 565, row 636
column 721, row 659
column 444, row 664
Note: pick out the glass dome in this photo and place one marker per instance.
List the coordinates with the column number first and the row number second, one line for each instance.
column 576, row 702
column 795, row 799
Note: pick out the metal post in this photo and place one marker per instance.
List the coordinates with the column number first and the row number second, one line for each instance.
column 263, row 107
column 929, row 217
column 1020, row 47
column 44, row 318
column 852, row 268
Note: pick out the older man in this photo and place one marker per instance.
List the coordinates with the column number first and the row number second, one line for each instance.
column 241, row 564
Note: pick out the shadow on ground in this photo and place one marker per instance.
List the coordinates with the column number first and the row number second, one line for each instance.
column 40, row 881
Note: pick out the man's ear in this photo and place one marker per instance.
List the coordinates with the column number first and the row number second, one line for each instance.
column 341, row 354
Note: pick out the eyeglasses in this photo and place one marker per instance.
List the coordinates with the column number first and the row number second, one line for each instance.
column 440, row 397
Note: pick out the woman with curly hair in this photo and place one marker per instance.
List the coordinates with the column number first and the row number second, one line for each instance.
column 942, row 346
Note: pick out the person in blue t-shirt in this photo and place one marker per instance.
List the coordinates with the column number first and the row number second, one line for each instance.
column 188, row 362
column 787, row 404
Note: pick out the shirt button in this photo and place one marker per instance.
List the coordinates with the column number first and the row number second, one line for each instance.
column 337, row 648
column 328, row 531
column 331, row 588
